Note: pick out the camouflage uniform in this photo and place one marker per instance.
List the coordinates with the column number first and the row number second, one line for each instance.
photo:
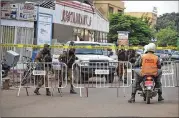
column 41, row 58
column 68, row 59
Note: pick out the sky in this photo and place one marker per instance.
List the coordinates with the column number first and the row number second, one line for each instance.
column 147, row 6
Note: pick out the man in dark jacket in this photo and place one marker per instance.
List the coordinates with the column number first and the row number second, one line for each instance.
column 122, row 56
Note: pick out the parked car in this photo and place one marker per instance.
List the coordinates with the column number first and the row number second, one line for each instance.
column 92, row 62
column 162, row 55
column 175, row 56
column 139, row 51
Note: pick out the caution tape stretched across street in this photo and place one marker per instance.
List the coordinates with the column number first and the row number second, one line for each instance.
column 88, row 47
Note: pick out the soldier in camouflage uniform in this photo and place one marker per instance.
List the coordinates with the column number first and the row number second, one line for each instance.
column 43, row 56
column 69, row 59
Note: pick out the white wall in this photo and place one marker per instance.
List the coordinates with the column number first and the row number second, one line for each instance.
column 98, row 23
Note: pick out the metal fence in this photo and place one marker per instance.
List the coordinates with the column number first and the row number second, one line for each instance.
column 86, row 74
column 176, row 71
column 43, row 75
column 16, row 35
column 96, row 74
column 168, row 74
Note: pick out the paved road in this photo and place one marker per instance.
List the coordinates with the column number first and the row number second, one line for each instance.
column 101, row 102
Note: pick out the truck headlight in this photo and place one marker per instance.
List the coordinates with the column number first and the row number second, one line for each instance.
column 84, row 64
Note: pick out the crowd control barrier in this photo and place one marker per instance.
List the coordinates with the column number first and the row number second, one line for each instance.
column 168, row 74
column 101, row 74
column 39, row 74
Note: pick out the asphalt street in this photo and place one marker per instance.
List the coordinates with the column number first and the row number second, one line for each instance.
column 101, row 102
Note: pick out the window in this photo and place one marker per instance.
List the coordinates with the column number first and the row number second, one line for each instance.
column 111, row 9
column 88, row 51
column 120, row 11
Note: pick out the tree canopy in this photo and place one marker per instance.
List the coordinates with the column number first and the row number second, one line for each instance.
column 166, row 37
column 167, row 28
column 168, row 20
column 140, row 31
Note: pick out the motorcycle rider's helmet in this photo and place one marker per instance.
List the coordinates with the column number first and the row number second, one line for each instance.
column 151, row 47
column 145, row 49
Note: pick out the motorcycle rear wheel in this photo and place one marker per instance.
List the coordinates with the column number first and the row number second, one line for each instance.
column 148, row 97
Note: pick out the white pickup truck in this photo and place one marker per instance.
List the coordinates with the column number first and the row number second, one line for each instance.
column 92, row 62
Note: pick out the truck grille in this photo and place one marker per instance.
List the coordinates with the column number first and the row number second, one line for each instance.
column 99, row 63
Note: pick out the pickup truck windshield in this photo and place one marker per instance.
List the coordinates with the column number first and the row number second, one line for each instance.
column 88, row 51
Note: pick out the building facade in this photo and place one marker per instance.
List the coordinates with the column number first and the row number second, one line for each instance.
column 17, row 26
column 73, row 20
column 50, row 23
column 107, row 7
column 151, row 15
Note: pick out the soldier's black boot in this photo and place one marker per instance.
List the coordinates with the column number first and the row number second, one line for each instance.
column 48, row 93
column 59, row 89
column 132, row 99
column 37, row 91
column 160, row 98
column 72, row 91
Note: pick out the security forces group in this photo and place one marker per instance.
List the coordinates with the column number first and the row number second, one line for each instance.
column 139, row 61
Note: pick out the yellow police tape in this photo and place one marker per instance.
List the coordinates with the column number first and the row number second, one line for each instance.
column 88, row 47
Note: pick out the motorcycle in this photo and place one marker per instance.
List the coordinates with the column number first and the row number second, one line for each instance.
column 5, row 69
column 9, row 60
column 148, row 87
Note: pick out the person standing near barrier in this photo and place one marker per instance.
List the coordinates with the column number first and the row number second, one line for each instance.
column 122, row 68
column 43, row 56
column 154, row 69
column 69, row 59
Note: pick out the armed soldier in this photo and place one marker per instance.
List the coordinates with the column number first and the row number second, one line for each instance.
column 43, row 56
column 69, row 59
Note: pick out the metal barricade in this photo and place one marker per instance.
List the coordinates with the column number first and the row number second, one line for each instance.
column 176, row 71
column 101, row 74
column 41, row 75
column 168, row 78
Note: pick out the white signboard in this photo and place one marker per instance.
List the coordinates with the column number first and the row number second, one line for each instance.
column 39, row 72
column 27, row 12
column 44, row 32
column 79, row 18
column 122, row 35
column 123, row 38
column 102, row 72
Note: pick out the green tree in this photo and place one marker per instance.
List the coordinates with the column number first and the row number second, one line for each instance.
column 167, row 37
column 168, row 20
column 140, row 32
column 146, row 19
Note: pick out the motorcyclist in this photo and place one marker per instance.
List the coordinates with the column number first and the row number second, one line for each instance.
column 43, row 56
column 150, row 64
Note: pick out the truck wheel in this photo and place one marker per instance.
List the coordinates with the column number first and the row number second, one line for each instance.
column 111, row 77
